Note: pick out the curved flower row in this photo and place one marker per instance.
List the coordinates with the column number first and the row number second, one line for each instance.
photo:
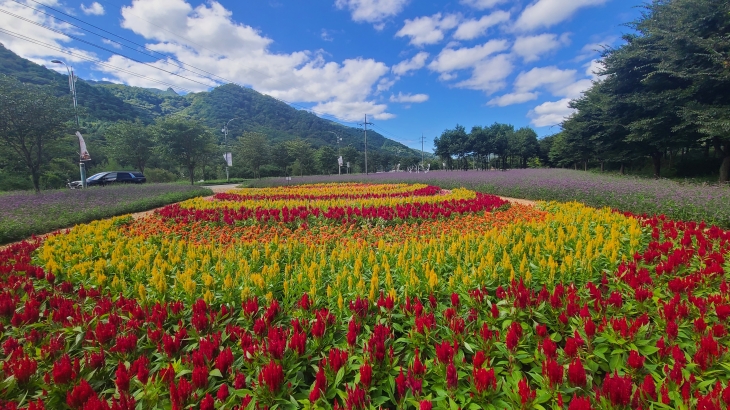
column 363, row 198
column 257, row 195
column 349, row 214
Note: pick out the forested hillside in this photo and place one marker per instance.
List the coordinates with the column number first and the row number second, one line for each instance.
column 294, row 141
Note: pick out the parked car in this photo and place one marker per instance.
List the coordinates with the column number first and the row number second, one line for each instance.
column 111, row 177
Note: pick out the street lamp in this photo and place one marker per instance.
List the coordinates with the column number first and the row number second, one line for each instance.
column 72, row 87
column 339, row 155
column 225, row 132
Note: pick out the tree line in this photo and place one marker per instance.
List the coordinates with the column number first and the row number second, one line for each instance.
column 495, row 146
column 663, row 95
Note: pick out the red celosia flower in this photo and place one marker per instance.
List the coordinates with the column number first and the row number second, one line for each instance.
column 495, row 311
column 452, row 379
column 445, row 352
column 618, row 389
column 200, row 376
column 401, row 384
column 224, row 361
column 141, row 368
column 337, row 359
column 366, row 374
column 635, row 361
column 576, row 373
column 479, row 359
column 484, row 379
column 425, row 405
column 418, row 367
column 298, row 342
column 353, row 329
column 648, row 388
column 553, row 371
column 207, row 403
column 240, row 381
column 271, row 375
column 541, row 331
column 222, row 394
column 122, row 380
column 320, row 385
column 580, row 403
column 527, row 395
column 513, row 335
column 590, row 328
column 455, row 299
column 21, row 366
column 304, row 302
column 318, row 328
column 80, row 394
column 62, row 371
column 356, row 398
column 549, row 348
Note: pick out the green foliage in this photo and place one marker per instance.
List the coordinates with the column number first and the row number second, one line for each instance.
column 479, row 147
column 666, row 90
column 31, row 120
column 157, row 175
column 184, row 141
column 252, row 151
column 131, row 143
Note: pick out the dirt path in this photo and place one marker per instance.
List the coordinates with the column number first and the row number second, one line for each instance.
column 224, row 188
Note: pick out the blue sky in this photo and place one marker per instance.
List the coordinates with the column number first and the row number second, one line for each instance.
column 415, row 67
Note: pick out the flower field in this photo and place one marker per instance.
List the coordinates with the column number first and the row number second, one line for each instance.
column 364, row 296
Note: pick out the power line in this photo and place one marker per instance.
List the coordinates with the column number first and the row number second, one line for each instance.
column 183, row 65
column 93, row 60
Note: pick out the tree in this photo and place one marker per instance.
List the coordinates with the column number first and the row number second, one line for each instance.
column 525, row 145
column 325, row 159
column 131, row 143
column 253, row 151
column 301, row 152
column 31, row 118
column 184, row 141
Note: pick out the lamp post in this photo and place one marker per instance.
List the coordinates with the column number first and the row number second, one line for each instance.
column 339, row 155
column 72, row 87
column 225, row 133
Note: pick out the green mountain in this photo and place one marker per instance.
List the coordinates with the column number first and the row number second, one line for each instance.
column 104, row 102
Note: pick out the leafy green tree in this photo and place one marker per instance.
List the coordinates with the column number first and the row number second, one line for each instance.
column 302, row 153
column 184, row 141
column 253, row 151
column 31, row 119
column 525, row 145
column 325, row 159
column 131, row 143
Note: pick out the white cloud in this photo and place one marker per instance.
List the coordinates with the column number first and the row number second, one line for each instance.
column 457, row 59
column 530, row 48
column 553, row 78
column 384, row 84
column 428, row 29
column 111, row 43
column 409, row 98
column 550, row 113
column 560, row 83
column 471, row 29
column 326, row 35
column 35, row 52
column 413, row 64
column 489, row 75
column 208, row 38
column 96, row 9
column 481, row 4
column 593, row 68
column 372, row 11
column 547, row 13
column 354, row 110
column 513, row 98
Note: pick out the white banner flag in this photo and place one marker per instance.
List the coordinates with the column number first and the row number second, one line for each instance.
column 228, row 158
column 82, row 148
column 339, row 161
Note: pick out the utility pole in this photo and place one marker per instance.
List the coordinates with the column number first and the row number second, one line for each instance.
column 365, row 124
column 225, row 155
column 422, row 160
column 82, row 145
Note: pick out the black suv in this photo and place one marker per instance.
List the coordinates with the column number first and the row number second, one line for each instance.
column 111, row 177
